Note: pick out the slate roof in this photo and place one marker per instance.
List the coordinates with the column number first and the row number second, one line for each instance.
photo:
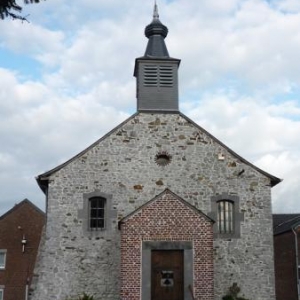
column 156, row 33
column 284, row 222
column 19, row 205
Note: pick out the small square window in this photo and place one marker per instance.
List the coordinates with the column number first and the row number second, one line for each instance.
column 2, row 260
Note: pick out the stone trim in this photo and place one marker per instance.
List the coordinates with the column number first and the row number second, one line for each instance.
column 166, row 191
column 238, row 217
column 109, row 214
column 148, row 246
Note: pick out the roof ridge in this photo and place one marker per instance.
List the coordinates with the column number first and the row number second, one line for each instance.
column 18, row 205
column 287, row 221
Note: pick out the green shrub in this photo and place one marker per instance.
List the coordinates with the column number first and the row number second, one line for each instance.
column 233, row 292
column 227, row 297
column 84, row 296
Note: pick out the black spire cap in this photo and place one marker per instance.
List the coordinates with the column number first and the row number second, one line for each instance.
column 156, row 33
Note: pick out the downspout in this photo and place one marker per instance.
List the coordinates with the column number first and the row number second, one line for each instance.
column 27, row 286
column 297, row 257
column 26, row 292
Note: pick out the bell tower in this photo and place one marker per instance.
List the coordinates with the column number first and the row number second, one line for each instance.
column 156, row 72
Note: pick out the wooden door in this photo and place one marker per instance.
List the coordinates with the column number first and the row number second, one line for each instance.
column 167, row 275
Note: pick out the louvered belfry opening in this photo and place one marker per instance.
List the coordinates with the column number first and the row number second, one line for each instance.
column 155, row 75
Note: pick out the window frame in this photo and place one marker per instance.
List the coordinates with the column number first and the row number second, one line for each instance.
column 238, row 216
column 225, row 216
column 3, row 252
column 110, row 214
column 1, row 292
column 100, row 213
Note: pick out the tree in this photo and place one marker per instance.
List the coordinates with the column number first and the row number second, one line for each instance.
column 9, row 8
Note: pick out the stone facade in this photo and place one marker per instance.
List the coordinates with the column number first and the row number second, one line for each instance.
column 122, row 166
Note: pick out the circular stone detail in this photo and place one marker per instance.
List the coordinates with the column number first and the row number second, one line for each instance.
column 163, row 158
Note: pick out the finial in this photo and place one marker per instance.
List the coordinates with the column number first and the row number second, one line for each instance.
column 155, row 12
column 156, row 27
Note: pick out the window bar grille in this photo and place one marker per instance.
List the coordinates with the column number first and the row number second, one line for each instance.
column 97, row 207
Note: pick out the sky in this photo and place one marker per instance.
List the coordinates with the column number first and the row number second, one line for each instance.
column 67, row 79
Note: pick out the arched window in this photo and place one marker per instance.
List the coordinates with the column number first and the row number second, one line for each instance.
column 97, row 213
column 225, row 216
column 225, row 210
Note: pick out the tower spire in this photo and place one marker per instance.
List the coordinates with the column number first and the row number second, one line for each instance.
column 155, row 12
column 156, row 33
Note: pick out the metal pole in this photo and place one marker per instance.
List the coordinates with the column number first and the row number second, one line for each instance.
column 26, row 292
column 297, row 258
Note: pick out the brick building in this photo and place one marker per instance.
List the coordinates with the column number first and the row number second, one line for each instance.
column 20, row 233
column 158, row 208
column 286, row 255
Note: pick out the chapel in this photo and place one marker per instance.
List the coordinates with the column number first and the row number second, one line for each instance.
column 158, row 208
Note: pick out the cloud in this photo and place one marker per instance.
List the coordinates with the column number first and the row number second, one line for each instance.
column 93, row 58
column 254, row 43
column 39, row 130
column 287, row 6
column 286, row 194
column 239, row 79
column 263, row 133
column 29, row 39
column 46, row 120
